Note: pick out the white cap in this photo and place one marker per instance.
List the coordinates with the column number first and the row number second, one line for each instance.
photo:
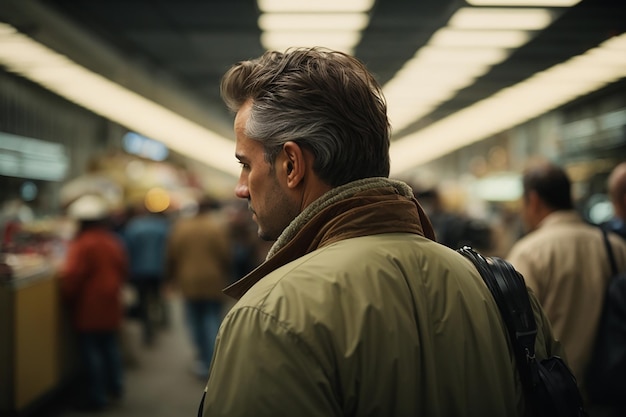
column 88, row 207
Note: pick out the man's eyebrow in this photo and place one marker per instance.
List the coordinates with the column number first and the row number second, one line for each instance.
column 239, row 156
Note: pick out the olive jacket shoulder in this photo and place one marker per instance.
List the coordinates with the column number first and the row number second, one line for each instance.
column 359, row 312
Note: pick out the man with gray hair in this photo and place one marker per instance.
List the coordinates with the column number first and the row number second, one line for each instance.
column 356, row 311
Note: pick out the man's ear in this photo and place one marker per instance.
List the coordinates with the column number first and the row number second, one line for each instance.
column 620, row 207
column 537, row 205
column 294, row 164
column 532, row 199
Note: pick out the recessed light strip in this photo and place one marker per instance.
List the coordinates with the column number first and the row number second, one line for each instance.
column 327, row 23
column 344, row 41
column 523, row 3
column 22, row 55
column 482, row 37
column 276, row 22
column 510, row 107
column 504, row 18
column 312, row 6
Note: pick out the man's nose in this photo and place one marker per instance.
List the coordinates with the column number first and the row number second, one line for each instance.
column 241, row 191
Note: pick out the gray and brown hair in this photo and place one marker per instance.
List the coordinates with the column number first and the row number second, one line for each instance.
column 326, row 101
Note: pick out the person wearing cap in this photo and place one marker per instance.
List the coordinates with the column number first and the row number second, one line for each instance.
column 91, row 280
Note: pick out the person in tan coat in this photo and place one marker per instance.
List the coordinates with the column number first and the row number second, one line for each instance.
column 564, row 261
column 199, row 265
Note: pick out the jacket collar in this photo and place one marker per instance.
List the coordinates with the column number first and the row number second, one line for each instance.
column 361, row 208
column 560, row 217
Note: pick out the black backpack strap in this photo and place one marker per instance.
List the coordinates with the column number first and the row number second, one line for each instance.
column 201, row 407
column 609, row 251
column 510, row 294
column 549, row 386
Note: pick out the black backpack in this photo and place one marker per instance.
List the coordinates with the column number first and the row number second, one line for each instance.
column 549, row 386
column 606, row 372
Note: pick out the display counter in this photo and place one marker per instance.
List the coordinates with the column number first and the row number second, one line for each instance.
column 36, row 348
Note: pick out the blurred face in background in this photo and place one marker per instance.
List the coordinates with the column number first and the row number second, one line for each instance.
column 271, row 208
column 617, row 190
column 530, row 210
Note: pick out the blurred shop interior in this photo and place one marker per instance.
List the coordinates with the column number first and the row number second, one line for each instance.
column 137, row 118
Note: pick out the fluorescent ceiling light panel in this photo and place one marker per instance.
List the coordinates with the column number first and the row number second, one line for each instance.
column 479, row 38
column 334, row 24
column 344, row 41
column 510, row 107
column 524, row 3
column 357, row 6
column 461, row 56
column 474, row 40
column 433, row 76
column 275, row 22
column 22, row 55
column 501, row 18
column 440, row 73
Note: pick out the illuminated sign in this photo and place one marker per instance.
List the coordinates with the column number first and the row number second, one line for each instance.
column 32, row 158
column 137, row 144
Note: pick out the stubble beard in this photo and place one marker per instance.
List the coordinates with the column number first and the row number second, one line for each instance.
column 281, row 210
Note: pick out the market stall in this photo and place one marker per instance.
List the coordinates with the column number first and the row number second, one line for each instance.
column 36, row 353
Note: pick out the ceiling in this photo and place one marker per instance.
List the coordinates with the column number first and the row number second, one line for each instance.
column 187, row 45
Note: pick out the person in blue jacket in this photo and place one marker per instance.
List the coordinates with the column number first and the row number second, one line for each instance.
column 145, row 236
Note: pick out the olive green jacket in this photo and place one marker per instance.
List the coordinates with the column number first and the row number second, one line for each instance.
column 357, row 313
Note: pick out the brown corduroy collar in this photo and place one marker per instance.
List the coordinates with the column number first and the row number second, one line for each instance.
column 362, row 208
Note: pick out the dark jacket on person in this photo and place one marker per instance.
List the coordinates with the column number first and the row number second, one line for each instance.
column 617, row 226
column 145, row 237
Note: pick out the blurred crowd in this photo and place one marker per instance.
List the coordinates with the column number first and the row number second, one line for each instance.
column 122, row 265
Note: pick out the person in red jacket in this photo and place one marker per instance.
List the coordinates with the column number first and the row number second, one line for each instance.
column 91, row 282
